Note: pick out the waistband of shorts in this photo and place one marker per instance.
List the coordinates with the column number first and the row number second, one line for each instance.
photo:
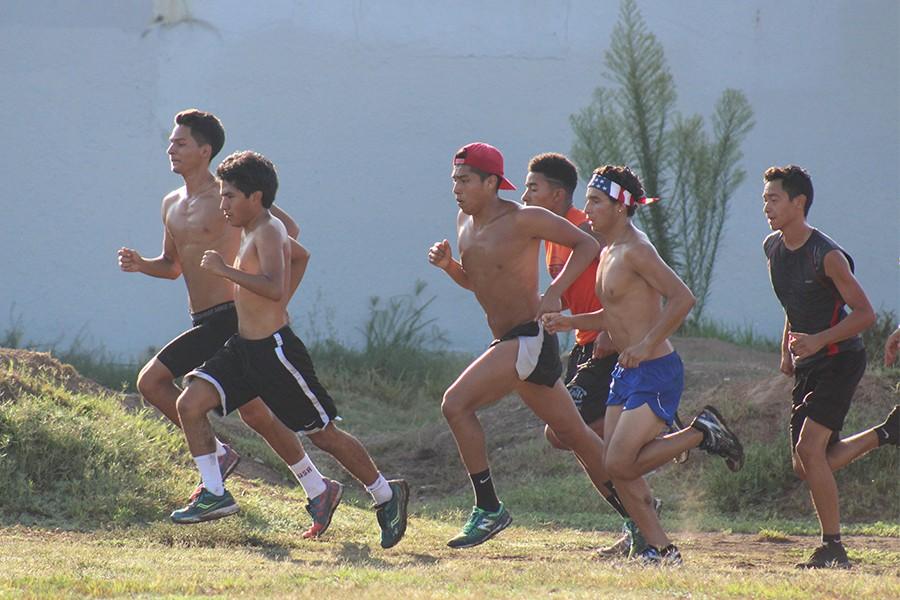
column 272, row 341
column 660, row 360
column 526, row 329
column 205, row 314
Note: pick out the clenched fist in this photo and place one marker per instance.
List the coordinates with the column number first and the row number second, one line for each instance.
column 213, row 261
column 440, row 254
column 130, row 260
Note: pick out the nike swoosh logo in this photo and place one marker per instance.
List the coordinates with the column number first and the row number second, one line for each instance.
column 485, row 480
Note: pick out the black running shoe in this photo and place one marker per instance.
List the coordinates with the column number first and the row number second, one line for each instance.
column 827, row 556
column 718, row 439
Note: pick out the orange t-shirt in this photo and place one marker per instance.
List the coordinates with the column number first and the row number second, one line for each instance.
column 581, row 296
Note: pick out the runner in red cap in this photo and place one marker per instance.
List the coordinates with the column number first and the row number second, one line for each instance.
column 499, row 242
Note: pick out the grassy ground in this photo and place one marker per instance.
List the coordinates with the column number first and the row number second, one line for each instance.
column 239, row 556
column 86, row 486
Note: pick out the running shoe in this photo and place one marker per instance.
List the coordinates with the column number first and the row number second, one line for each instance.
column 206, row 507
column 668, row 556
column 630, row 535
column 392, row 514
column 228, row 461
column 827, row 556
column 718, row 439
column 481, row 526
column 322, row 507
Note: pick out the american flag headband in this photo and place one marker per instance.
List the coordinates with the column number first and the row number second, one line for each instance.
column 616, row 191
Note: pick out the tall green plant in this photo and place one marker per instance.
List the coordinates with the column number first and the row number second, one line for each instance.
column 694, row 173
column 400, row 324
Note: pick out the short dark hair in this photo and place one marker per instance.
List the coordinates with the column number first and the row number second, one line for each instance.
column 794, row 180
column 250, row 172
column 206, row 128
column 557, row 167
column 626, row 178
column 481, row 174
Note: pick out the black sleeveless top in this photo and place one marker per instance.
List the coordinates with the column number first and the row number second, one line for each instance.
column 810, row 299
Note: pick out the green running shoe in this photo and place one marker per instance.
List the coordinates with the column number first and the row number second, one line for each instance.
column 392, row 514
column 206, row 506
column 481, row 526
column 638, row 543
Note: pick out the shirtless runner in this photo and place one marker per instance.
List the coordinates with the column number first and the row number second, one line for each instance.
column 632, row 281
column 550, row 184
column 265, row 358
column 499, row 241
column 193, row 223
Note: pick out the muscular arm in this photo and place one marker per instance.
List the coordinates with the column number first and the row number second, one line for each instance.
column 165, row 266
column 269, row 282
column 293, row 230
column 556, row 322
column 545, row 225
column 441, row 255
column 299, row 261
column 861, row 318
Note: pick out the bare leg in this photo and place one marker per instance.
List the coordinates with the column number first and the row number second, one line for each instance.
column 811, row 453
column 348, row 451
column 596, row 426
column 198, row 398
column 280, row 438
column 554, row 406
column 157, row 384
column 628, row 432
column 490, row 377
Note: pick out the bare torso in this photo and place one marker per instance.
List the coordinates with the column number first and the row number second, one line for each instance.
column 196, row 224
column 260, row 317
column 630, row 304
column 501, row 261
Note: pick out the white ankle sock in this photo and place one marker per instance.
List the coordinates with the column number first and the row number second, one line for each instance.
column 208, row 465
column 380, row 489
column 309, row 477
column 220, row 449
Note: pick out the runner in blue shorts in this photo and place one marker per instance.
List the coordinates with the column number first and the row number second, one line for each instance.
column 632, row 282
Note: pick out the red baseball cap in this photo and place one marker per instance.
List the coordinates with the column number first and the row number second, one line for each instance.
column 483, row 157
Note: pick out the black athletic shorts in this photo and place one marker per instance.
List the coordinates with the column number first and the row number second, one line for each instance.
column 823, row 390
column 212, row 328
column 535, row 365
column 278, row 370
column 588, row 379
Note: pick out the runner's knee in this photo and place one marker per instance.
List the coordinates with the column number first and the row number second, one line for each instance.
column 452, row 405
column 618, row 466
column 327, row 439
column 808, row 453
column 551, row 437
column 151, row 378
column 257, row 416
column 195, row 401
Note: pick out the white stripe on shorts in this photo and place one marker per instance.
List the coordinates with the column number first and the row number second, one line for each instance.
column 216, row 384
column 302, row 382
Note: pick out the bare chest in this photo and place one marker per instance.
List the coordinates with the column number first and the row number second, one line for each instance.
column 493, row 251
column 615, row 280
column 195, row 222
column 247, row 258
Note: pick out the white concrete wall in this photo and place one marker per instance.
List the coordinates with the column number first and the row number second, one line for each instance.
column 361, row 104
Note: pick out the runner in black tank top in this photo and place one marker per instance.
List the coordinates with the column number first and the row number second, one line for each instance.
column 813, row 279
